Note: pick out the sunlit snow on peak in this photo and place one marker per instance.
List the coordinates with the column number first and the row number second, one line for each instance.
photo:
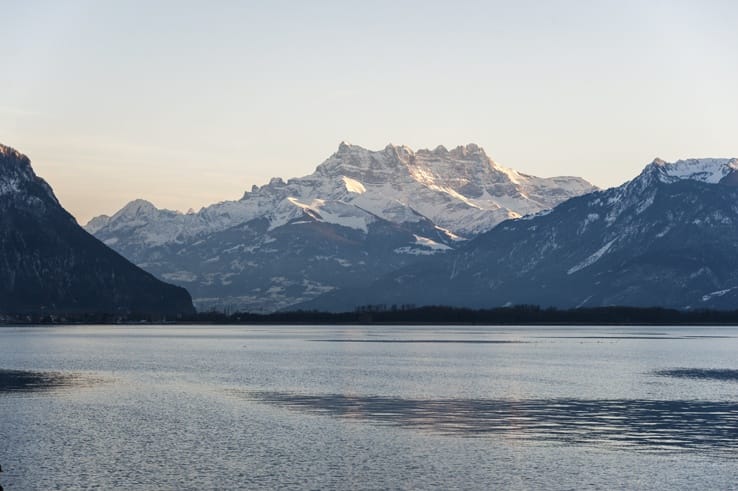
column 354, row 186
column 460, row 190
column 710, row 171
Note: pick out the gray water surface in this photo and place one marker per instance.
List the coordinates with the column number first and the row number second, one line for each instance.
column 277, row 407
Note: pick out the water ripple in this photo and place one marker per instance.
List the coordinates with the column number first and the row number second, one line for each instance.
column 633, row 423
column 422, row 341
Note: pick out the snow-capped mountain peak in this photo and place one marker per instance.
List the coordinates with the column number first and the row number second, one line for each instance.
column 136, row 212
column 460, row 190
column 361, row 214
column 359, row 163
column 707, row 170
column 136, row 208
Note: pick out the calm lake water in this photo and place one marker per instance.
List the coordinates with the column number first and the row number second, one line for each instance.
column 368, row 407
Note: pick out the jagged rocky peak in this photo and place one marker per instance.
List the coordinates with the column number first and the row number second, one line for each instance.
column 398, row 165
column 13, row 165
column 468, row 161
column 385, row 205
column 470, row 153
column 345, row 147
column 17, row 178
column 11, row 153
column 402, row 153
column 459, row 151
column 354, row 160
column 468, row 150
column 461, row 190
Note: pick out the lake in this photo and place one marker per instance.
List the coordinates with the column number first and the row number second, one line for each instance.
column 368, row 407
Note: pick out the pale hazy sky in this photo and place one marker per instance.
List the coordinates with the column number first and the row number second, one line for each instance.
column 189, row 103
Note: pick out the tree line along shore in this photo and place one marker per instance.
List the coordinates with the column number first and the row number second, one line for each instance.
column 404, row 314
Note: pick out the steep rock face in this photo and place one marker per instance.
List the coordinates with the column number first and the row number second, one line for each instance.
column 461, row 190
column 667, row 238
column 361, row 214
column 49, row 264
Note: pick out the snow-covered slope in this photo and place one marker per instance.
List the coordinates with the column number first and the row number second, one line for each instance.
column 461, row 190
column 711, row 171
column 361, row 214
column 666, row 238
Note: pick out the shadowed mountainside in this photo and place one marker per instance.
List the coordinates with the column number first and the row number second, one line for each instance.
column 49, row 264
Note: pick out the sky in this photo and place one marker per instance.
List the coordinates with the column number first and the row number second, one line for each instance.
column 188, row 103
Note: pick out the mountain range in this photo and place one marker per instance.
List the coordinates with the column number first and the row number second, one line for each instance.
column 667, row 238
column 361, row 215
column 388, row 227
column 50, row 265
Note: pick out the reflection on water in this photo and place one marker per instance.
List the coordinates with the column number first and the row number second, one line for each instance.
column 648, row 424
column 643, row 336
column 700, row 373
column 418, row 341
column 25, row 381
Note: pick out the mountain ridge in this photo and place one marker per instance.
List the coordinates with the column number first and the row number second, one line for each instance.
column 666, row 238
column 340, row 177
column 49, row 264
column 255, row 253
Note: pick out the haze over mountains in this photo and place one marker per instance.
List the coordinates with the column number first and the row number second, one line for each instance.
column 50, row 265
column 360, row 215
